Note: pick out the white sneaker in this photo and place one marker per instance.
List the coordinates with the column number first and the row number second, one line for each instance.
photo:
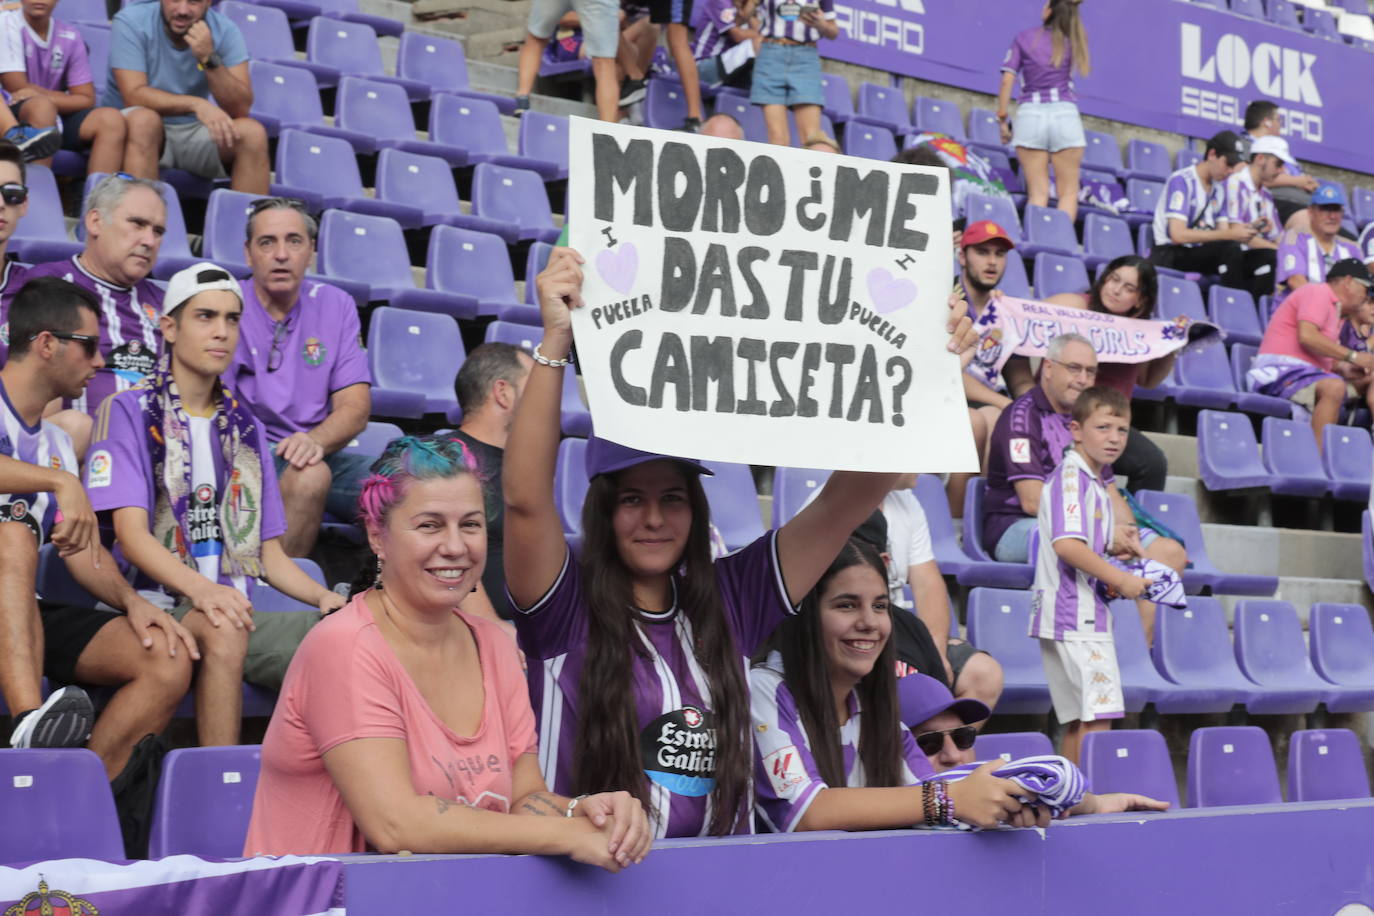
column 64, row 720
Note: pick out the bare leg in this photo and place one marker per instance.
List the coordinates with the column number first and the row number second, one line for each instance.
column 142, row 142
column 680, row 47
column 21, row 634
column 1035, row 169
column 1147, row 610
column 808, row 121
column 607, row 89
column 1067, row 163
column 775, row 117
column 219, row 682
column 303, row 492
column 1072, row 745
column 528, row 65
column 252, row 174
column 106, row 131
column 1299, row 221
column 980, row 678
column 1327, row 410
column 78, row 425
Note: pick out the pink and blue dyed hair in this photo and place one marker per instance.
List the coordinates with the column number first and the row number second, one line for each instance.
column 404, row 460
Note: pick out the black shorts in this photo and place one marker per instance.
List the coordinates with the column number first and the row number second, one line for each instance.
column 67, row 631
column 670, row 12
column 71, row 126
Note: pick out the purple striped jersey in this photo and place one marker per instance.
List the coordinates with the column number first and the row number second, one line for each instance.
column 1064, row 601
column 786, row 778
column 1301, row 255
column 713, row 36
column 129, row 335
column 677, row 739
column 1186, row 198
column 45, row 445
column 10, row 282
column 1246, row 203
column 782, row 18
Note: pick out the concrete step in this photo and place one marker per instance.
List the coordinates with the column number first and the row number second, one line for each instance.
column 1283, row 551
column 1181, row 452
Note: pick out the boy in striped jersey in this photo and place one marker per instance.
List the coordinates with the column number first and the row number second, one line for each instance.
column 1068, row 613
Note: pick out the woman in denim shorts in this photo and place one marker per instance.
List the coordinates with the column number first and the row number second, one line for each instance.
column 1047, row 128
column 787, row 71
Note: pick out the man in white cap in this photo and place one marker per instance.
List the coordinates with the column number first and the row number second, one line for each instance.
column 1249, row 202
column 185, row 472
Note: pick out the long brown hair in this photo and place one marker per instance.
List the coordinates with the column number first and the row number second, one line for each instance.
column 1147, row 286
column 807, row 676
column 607, row 756
column 1064, row 24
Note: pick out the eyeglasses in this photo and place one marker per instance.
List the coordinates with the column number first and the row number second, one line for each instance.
column 1076, row 369
column 931, row 742
column 275, row 354
column 88, row 341
column 13, row 193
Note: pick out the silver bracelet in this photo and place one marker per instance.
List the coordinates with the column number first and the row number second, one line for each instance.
column 543, row 360
column 572, row 803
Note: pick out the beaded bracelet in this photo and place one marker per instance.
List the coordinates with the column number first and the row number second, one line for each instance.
column 543, row 360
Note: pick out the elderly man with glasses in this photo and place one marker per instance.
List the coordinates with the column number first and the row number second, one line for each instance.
column 301, row 367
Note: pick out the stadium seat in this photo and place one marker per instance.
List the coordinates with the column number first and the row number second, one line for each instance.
column 42, row 234
column 1202, row 378
column 1367, row 542
column 1180, row 513
column 441, row 63
column 371, row 249
column 1342, row 650
column 1233, row 310
column 1231, row 765
column 515, row 197
column 266, row 598
column 414, row 357
column 204, row 800
column 474, row 126
column 1000, row 164
column 352, row 49
column 975, row 494
column 1192, row 648
column 544, row 140
column 839, row 100
column 998, row 622
column 1048, row 230
column 1362, row 206
column 267, row 34
column 949, row 555
column 58, row 805
column 792, row 487
column 1214, row 4
column 1015, row 283
column 85, row 11
column 1321, row 23
column 665, row 106
column 323, row 172
column 348, row 11
column 1180, row 297
column 97, row 38
column 1129, row 760
column 1252, row 9
column 939, row 116
column 1142, row 196
column 1147, row 160
column 1011, row 745
column 736, row 104
column 884, row 106
column 298, row 11
column 1186, row 155
column 871, row 141
column 1102, row 153
column 1325, row 765
column 1056, row 274
column 426, row 184
column 734, row 503
column 1242, row 355
column 524, row 336
column 570, row 483
column 383, row 110
column 1000, row 210
column 1141, row 682
column 373, row 440
column 475, row 266
column 285, row 97
column 1290, row 455
column 1271, row 652
column 1227, row 453
column 1347, row 456
column 1105, row 238
column 1282, row 12
column 535, row 261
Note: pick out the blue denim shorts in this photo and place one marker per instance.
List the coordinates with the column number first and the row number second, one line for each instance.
column 349, row 470
column 1050, row 126
column 787, row 75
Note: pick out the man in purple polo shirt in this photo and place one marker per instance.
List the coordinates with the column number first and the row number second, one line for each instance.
column 183, row 468
column 301, row 368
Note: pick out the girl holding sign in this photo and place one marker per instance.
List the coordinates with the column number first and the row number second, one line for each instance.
column 635, row 651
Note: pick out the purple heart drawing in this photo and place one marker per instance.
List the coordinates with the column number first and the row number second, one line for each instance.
column 618, row 267
column 889, row 293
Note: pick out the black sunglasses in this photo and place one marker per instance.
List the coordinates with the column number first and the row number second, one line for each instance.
column 88, row 341
column 931, row 742
column 13, row 193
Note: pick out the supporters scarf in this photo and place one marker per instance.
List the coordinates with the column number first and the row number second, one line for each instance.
column 1054, row 782
column 240, row 503
column 1166, row 584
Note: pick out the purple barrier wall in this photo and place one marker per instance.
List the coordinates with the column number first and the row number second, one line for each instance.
column 1299, row 859
column 1164, row 64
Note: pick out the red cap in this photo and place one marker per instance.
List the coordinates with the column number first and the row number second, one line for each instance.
column 984, row 231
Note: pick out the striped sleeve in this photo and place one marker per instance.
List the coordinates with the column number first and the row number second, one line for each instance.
column 786, row 780
column 1065, row 504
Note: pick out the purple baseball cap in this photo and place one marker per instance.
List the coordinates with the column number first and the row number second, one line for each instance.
column 607, row 457
column 922, row 697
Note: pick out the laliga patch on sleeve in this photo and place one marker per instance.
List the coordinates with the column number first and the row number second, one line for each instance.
column 1176, row 201
column 785, row 770
column 99, row 471
column 1020, row 451
column 1290, row 262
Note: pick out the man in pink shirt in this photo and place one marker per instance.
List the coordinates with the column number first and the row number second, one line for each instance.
column 1301, row 357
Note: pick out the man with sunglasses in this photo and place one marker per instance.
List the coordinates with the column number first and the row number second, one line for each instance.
column 301, row 367
column 142, row 652
column 945, row 730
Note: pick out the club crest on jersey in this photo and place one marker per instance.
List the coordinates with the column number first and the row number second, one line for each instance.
column 313, row 352
column 678, row 750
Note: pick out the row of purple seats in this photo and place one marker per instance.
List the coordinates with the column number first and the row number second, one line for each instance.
column 1180, row 514
column 1288, row 464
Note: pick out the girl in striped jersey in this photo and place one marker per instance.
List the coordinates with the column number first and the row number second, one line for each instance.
column 637, row 651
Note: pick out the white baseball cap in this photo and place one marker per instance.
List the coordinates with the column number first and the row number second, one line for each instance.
column 198, row 278
column 1274, row 146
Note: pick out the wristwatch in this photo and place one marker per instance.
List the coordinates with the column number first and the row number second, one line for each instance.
column 1350, row 356
column 212, row 62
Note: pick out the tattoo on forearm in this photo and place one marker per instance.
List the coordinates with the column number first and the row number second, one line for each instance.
column 542, row 805
column 534, row 809
column 442, row 804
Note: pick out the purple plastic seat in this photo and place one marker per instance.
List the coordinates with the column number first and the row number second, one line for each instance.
column 1129, row 760
column 1325, row 765
column 414, row 357
column 1233, row 310
column 871, row 141
column 523, row 336
column 1227, row 452
column 839, row 100
column 476, row 267
column 298, row 11
column 425, row 184
column 1000, row 210
column 1055, row 273
column 1192, row 648
column 570, row 483
column 1347, row 455
column 792, row 487
column 382, row 109
column 983, row 128
column 1367, row 542
column 1179, row 297
column 1180, row 513
column 1231, row 765
column 1011, row 746
column 58, row 805
column 86, row 11
column 1342, row 650
column 974, row 494
column 544, row 139
column 442, row 64
column 1282, row 12
column 1105, row 238
column 371, row 249
column 373, row 440
column 1048, row 230
column 352, row 49
column 515, row 197
column 1290, row 455
column 1202, row 378
column 267, row 34
column 97, row 38
column 1102, row 152
column 1015, row 282
column 348, row 11
column 1147, row 160
column 736, row 104
column 535, row 261
column 286, row 97
column 1271, row 652
column 883, row 105
column 734, row 503
column 1187, row 156
column 474, row 126
column 204, row 801
column 1251, row 9
column 575, row 419
column 268, row 599
column 952, row 559
column 1321, row 23
column 42, row 234
column 1142, row 195
column 1141, row 682
column 1242, row 355
column 1000, row 164
column 665, row 106
column 323, row 172
column 998, row 621
column 939, row 116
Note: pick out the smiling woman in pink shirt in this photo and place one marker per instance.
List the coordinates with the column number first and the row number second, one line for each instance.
column 405, row 723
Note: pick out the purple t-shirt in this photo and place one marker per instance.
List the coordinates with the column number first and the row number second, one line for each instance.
column 320, row 354
column 58, row 64
column 672, row 694
column 129, row 335
column 45, row 445
column 786, row 778
column 119, row 471
column 11, row 280
column 1028, row 443
column 1030, row 55
column 1350, row 337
